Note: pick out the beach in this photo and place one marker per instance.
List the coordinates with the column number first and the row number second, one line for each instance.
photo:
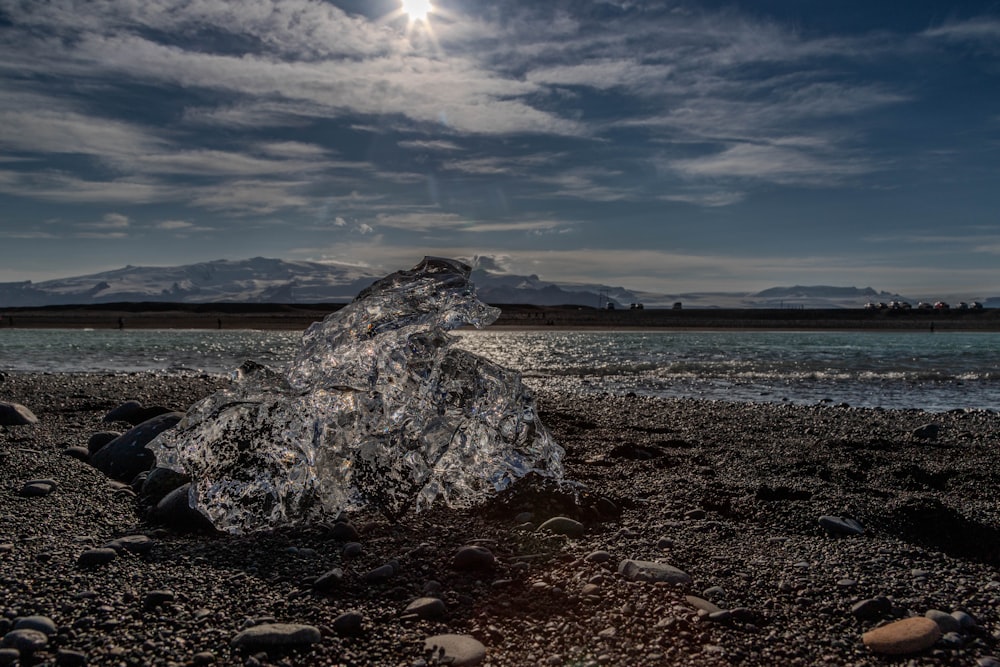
column 730, row 494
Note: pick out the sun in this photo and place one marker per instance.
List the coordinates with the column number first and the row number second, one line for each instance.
column 417, row 10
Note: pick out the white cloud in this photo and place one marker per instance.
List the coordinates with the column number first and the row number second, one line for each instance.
column 774, row 163
column 429, row 145
column 174, row 225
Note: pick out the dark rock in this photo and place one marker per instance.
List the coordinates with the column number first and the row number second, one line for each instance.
column 78, row 452
column 124, row 412
column 99, row 439
column 927, row 431
column 836, row 525
column 25, row 640
column 641, row 570
column 276, row 635
column 159, row 482
column 126, row 456
column 41, row 623
column 473, row 557
column 38, row 487
column 66, row 657
column 873, row 609
column 140, row 545
column 344, row 531
column 15, row 414
column 426, row 608
column 562, row 525
column 348, row 623
column 329, row 581
column 456, row 650
column 96, row 557
column 154, row 599
column 175, row 511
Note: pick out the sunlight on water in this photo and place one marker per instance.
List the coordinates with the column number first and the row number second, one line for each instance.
column 894, row 370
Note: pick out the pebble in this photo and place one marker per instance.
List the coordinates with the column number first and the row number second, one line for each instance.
column 124, row 412
column 944, row 620
column 598, row 557
column 38, row 487
column 329, row 581
column 15, row 414
column 136, row 544
column 25, row 640
column 702, row 604
column 873, row 609
column 77, row 452
column 351, row 550
column 642, row 570
column 348, row 623
column 965, row 621
column 426, row 608
column 66, row 657
column 910, row 635
column 126, row 456
column 380, row 573
column 344, row 531
column 95, row 557
column 175, row 510
column 927, row 431
column 562, row 525
column 837, row 525
column 462, row 650
column 43, row 624
column 154, row 599
column 274, row 635
column 9, row 656
column 473, row 557
column 99, row 439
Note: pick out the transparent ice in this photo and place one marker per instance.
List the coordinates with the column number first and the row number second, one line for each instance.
column 377, row 407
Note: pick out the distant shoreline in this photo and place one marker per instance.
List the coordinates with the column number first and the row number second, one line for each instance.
column 156, row 315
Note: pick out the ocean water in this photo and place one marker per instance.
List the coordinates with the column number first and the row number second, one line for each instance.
column 923, row 370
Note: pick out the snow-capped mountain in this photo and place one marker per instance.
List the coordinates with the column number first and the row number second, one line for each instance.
column 264, row 280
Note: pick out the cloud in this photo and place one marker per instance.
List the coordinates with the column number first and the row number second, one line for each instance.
column 429, row 145
column 785, row 165
column 982, row 29
column 174, row 225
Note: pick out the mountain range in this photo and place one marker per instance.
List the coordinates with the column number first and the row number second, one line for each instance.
column 265, row 280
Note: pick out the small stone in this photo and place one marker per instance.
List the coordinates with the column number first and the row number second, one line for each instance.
column 154, row 599
column 524, row 517
column 714, row 593
column 140, row 545
column 426, row 608
column 702, row 604
column 203, row 658
column 26, row 641
column 124, row 412
column 927, row 431
column 836, row 525
column 9, row 656
column 695, row 515
column 598, row 557
column 473, row 557
column 562, row 525
column 348, row 623
column 77, row 452
column 96, row 557
column 175, row 510
column 43, row 624
column 873, row 609
column 15, row 414
column 910, row 635
column 945, row 621
column 344, row 531
column 275, row 635
column 965, row 621
column 380, row 573
column 38, row 487
column 329, row 581
column 721, row 616
column 66, row 657
column 351, row 550
column 126, row 456
column 461, row 650
column 99, row 439
column 641, row 570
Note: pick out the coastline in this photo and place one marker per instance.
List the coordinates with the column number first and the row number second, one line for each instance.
column 729, row 493
column 300, row 316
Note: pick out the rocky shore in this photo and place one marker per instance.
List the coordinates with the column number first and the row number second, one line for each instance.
column 705, row 533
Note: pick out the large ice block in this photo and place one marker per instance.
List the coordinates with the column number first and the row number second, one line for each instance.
column 377, row 407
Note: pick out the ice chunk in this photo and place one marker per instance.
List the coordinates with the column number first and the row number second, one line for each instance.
column 377, row 407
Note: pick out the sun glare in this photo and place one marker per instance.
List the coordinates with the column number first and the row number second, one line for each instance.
column 417, row 10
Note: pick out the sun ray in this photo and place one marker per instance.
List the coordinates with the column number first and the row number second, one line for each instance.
column 417, row 10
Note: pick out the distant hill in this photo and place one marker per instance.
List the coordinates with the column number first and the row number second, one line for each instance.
column 265, row 280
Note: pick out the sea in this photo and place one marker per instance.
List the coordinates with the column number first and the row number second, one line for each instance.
column 932, row 371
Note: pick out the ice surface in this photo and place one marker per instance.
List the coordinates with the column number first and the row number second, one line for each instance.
column 377, row 407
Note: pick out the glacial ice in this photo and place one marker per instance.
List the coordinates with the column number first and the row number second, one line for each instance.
column 378, row 406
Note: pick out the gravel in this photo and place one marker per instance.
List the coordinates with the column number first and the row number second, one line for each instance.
column 730, row 494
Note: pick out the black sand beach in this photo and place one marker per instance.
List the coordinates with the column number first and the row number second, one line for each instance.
column 730, row 494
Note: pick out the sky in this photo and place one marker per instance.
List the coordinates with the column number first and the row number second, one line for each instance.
column 663, row 146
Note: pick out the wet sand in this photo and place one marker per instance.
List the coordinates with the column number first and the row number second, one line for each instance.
column 731, row 494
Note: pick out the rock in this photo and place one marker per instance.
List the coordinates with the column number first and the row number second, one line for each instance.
column 329, row 581
column 77, row 452
column 9, row 656
column 161, row 481
column 348, row 623
column 945, row 621
column 96, row 557
column 25, row 640
column 15, row 414
column 66, row 657
column 380, row 574
column 43, row 624
column 140, row 545
column 873, row 609
column 276, row 635
column 473, row 557
column 836, row 525
column 562, row 525
column 927, row 431
column 643, row 570
column 426, row 608
column 175, row 510
column 703, row 605
column 99, row 439
column 154, row 599
column 344, row 531
column 910, row 635
column 965, row 621
column 598, row 557
column 351, row 550
column 461, row 650
column 124, row 412
column 126, row 456
column 38, row 487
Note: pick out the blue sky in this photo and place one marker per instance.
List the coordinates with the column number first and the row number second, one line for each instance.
column 666, row 146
